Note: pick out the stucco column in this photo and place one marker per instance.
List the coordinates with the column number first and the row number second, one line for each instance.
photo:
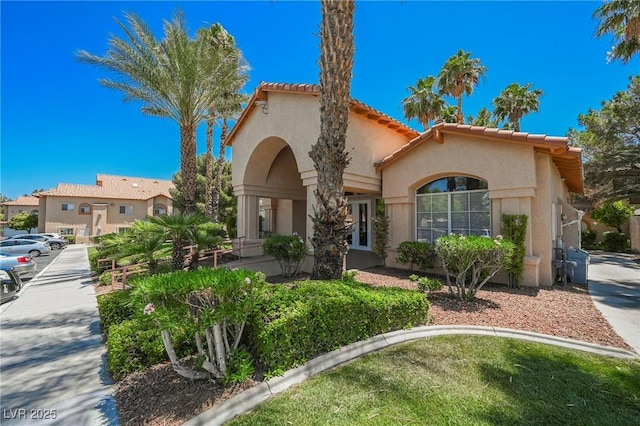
column 248, row 216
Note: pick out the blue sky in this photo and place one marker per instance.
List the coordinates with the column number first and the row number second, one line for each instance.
column 58, row 125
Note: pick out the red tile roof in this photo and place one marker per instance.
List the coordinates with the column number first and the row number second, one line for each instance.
column 567, row 159
column 114, row 187
column 23, row 200
column 357, row 107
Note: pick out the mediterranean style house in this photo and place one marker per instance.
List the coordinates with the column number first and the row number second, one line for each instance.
column 24, row 203
column 450, row 179
column 109, row 206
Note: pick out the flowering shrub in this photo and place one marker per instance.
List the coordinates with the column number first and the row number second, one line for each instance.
column 289, row 250
column 215, row 303
column 472, row 261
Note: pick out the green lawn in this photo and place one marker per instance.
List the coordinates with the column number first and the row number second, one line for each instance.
column 463, row 380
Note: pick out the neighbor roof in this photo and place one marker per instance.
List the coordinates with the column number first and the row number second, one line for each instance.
column 357, row 107
column 114, row 187
column 567, row 159
column 23, row 200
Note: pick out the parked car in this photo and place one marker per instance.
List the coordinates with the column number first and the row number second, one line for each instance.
column 50, row 235
column 22, row 264
column 54, row 243
column 10, row 283
column 24, row 247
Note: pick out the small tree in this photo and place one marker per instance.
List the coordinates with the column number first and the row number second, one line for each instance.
column 217, row 302
column 613, row 213
column 472, row 261
column 381, row 232
column 23, row 222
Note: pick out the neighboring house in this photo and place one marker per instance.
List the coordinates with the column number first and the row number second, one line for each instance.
column 451, row 178
column 24, row 203
column 109, row 206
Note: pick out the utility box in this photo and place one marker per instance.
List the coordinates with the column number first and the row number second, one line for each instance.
column 578, row 265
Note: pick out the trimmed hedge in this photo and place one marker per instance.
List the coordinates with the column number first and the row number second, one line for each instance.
column 114, row 308
column 298, row 323
column 616, row 242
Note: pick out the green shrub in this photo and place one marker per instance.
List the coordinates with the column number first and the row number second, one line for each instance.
column 313, row 317
column 70, row 238
column 105, row 278
column 514, row 229
column 381, row 224
column 114, row 308
column 289, row 250
column 589, row 238
column 615, row 241
column 425, row 284
column 472, row 261
column 240, row 367
column 416, row 253
column 136, row 344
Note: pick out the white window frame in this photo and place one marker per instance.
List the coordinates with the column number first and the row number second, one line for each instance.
column 128, row 209
column 66, row 231
column 449, row 194
column 68, row 207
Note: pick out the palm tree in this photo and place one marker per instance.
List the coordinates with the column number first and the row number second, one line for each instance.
column 142, row 243
column 229, row 69
column 423, row 103
column 329, row 157
column 459, row 75
column 178, row 228
column 449, row 114
column 621, row 18
column 166, row 76
column 514, row 102
column 483, row 119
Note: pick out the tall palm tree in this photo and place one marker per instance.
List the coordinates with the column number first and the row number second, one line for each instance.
column 329, row 156
column 459, row 75
column 514, row 102
column 449, row 114
column 229, row 76
column 621, row 18
column 166, row 76
column 423, row 104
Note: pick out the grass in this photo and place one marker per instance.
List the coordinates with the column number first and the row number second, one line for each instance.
column 463, row 380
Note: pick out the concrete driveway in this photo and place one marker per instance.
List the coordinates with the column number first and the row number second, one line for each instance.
column 614, row 285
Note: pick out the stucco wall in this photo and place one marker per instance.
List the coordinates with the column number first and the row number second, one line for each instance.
column 520, row 181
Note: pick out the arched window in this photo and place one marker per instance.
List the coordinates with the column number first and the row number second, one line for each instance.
column 159, row 209
column 454, row 204
column 84, row 208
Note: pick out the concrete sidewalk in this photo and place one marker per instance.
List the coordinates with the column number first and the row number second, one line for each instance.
column 614, row 285
column 52, row 359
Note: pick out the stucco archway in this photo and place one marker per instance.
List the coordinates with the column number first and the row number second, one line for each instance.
column 273, row 199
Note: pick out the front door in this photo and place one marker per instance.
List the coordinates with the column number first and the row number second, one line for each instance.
column 359, row 214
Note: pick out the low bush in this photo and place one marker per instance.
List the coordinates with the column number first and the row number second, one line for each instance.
column 289, row 250
column 425, row 284
column 295, row 324
column 615, row 241
column 136, row 344
column 589, row 238
column 418, row 253
column 114, row 308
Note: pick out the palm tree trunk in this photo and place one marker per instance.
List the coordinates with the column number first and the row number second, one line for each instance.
column 220, row 171
column 188, row 165
column 460, row 118
column 328, row 154
column 208, row 193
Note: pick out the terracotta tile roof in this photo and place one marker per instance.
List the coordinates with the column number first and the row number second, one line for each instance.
column 567, row 159
column 23, row 200
column 114, row 187
column 357, row 107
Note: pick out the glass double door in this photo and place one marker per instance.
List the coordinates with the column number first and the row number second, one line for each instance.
column 359, row 214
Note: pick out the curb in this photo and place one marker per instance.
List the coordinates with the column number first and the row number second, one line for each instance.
column 250, row 398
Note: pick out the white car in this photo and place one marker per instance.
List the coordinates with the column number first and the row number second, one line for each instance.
column 21, row 264
column 24, row 247
column 50, row 235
